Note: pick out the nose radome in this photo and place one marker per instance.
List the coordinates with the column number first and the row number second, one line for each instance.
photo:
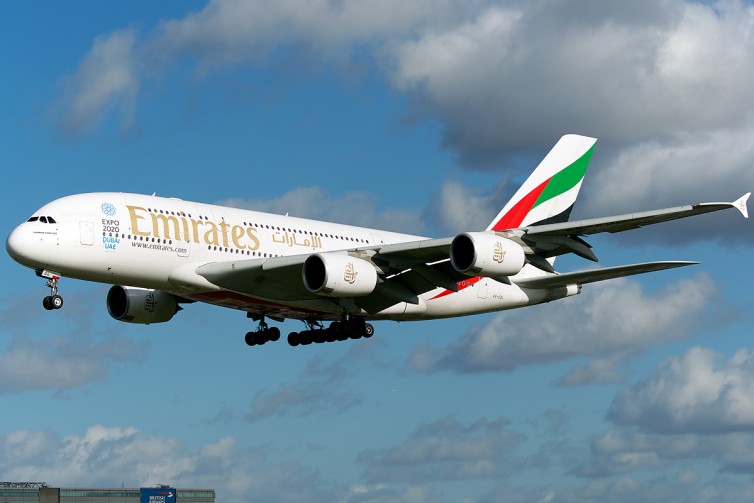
column 14, row 245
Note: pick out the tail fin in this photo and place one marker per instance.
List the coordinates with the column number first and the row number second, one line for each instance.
column 547, row 196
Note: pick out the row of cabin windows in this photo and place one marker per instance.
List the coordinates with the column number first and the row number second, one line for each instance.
column 265, row 226
column 50, row 220
column 210, row 247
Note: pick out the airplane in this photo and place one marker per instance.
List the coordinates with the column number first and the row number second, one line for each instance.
column 159, row 253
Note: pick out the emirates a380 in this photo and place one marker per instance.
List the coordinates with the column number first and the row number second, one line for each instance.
column 160, row 253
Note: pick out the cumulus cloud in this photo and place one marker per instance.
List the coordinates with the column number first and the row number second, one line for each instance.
column 107, row 77
column 665, row 84
column 95, row 457
column 518, row 75
column 323, row 385
column 35, row 357
column 606, row 320
column 698, row 392
column 445, row 450
column 622, row 451
column 696, row 406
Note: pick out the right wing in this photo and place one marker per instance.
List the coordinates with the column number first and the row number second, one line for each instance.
column 550, row 240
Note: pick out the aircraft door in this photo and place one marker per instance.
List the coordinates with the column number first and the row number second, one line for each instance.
column 87, row 233
column 184, row 248
column 481, row 288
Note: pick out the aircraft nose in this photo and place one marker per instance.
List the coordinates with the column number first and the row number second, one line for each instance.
column 16, row 244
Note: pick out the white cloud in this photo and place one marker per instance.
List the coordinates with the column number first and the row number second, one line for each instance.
column 606, row 319
column 516, row 76
column 108, row 456
column 108, row 76
column 698, row 392
column 323, row 385
column 445, row 450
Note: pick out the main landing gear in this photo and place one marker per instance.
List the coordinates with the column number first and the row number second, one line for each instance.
column 262, row 334
column 52, row 301
column 352, row 328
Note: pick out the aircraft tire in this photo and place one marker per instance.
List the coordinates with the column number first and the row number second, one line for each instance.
column 293, row 339
column 56, row 301
column 47, row 303
column 249, row 339
column 368, row 330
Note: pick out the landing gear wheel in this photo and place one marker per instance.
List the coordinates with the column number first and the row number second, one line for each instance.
column 293, row 339
column 250, row 339
column 56, row 301
column 273, row 334
column 368, row 330
column 52, row 301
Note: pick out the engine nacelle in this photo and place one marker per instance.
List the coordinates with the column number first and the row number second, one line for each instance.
column 139, row 305
column 486, row 254
column 338, row 275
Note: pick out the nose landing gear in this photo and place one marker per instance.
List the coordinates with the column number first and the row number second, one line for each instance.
column 52, row 301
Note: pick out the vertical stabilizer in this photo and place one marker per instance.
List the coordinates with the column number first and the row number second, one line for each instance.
column 549, row 193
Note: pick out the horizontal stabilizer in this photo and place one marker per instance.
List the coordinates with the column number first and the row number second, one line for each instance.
column 594, row 275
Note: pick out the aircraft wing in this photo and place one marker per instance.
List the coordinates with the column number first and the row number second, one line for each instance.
column 630, row 221
column 594, row 275
column 272, row 278
column 550, row 240
column 406, row 271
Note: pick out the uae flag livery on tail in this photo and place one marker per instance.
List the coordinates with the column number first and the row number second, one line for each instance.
column 549, row 193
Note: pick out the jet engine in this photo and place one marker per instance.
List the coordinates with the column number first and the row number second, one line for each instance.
column 486, row 254
column 338, row 275
column 139, row 305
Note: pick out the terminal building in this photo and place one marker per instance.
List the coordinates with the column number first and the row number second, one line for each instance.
column 40, row 492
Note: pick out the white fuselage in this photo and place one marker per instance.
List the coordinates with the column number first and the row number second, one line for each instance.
column 158, row 243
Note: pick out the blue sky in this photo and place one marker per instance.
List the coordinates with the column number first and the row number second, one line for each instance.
column 416, row 116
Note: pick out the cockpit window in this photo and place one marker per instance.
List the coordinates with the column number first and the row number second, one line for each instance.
column 44, row 220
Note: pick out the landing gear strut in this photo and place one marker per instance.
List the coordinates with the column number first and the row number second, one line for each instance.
column 262, row 334
column 52, row 301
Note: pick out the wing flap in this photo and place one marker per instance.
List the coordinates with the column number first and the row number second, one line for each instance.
column 594, row 275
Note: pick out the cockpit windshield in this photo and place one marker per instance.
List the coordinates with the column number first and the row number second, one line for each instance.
column 44, row 220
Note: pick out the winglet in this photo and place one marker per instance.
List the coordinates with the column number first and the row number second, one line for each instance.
column 740, row 204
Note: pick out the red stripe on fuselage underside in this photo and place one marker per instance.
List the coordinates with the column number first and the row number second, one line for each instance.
column 462, row 285
column 510, row 220
column 241, row 302
column 516, row 215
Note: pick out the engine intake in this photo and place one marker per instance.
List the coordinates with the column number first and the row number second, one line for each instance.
column 139, row 305
column 338, row 275
column 486, row 254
